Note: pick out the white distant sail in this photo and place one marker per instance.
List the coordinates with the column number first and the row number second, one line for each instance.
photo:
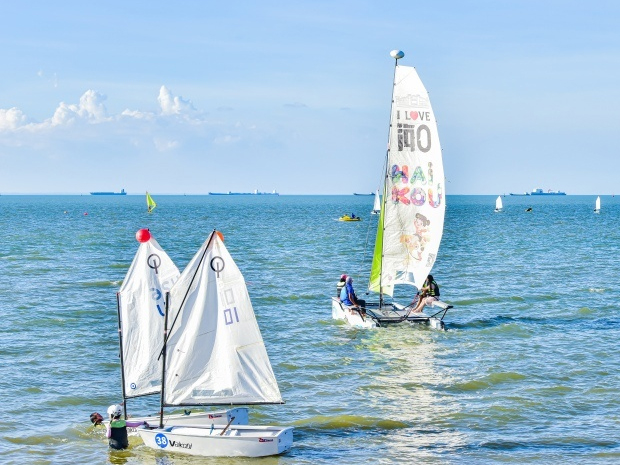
column 376, row 209
column 215, row 352
column 141, row 312
column 411, row 222
column 498, row 204
column 597, row 204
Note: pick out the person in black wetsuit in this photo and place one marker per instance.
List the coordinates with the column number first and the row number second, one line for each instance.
column 116, row 428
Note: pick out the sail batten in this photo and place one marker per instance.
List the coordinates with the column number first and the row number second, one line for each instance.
column 412, row 215
column 215, row 353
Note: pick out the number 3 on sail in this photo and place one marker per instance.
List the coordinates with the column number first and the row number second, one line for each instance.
column 412, row 210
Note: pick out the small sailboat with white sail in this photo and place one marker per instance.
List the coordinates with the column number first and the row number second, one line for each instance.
column 376, row 209
column 214, row 354
column 597, row 205
column 411, row 221
column 140, row 303
column 499, row 206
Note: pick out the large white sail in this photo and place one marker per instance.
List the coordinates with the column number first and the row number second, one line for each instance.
column 141, row 311
column 498, row 203
column 411, row 222
column 215, row 352
column 597, row 204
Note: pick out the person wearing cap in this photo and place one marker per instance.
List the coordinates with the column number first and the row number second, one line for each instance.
column 348, row 297
column 116, row 428
column 341, row 284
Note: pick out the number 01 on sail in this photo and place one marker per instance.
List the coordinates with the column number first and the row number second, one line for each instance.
column 413, row 205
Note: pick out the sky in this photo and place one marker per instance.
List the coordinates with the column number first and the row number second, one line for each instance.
column 204, row 96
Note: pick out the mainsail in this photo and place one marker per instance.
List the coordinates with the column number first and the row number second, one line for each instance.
column 597, row 204
column 412, row 214
column 498, row 203
column 150, row 203
column 141, row 317
column 215, row 352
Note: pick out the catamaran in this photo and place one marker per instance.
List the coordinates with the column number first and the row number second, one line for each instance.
column 499, row 206
column 412, row 209
column 140, row 303
column 150, row 203
column 376, row 208
column 597, row 205
column 214, row 354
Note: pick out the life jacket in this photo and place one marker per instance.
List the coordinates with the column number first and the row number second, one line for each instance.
column 118, row 435
column 433, row 289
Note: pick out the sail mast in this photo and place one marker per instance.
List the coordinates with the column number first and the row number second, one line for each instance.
column 163, row 365
column 397, row 55
column 120, row 344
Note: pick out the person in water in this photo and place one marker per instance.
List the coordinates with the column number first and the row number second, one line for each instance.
column 348, row 297
column 341, row 284
column 116, row 428
column 427, row 295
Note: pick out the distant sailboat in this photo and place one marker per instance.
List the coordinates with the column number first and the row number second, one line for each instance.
column 150, row 203
column 597, row 205
column 376, row 209
column 499, row 206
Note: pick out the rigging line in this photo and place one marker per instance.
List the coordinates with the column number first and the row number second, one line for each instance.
column 186, row 294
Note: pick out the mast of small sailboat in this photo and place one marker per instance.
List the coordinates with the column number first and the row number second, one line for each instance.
column 120, row 344
column 397, row 55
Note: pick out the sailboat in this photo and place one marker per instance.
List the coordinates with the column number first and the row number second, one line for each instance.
column 499, row 206
column 597, row 205
column 214, row 355
column 410, row 225
column 140, row 303
column 376, row 208
column 150, row 203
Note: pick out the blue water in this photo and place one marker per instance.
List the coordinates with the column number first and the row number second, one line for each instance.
column 527, row 371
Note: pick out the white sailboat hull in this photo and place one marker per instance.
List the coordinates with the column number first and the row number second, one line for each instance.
column 218, row 418
column 341, row 311
column 237, row 441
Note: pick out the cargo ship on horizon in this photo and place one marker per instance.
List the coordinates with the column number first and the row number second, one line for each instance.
column 122, row 192
column 245, row 193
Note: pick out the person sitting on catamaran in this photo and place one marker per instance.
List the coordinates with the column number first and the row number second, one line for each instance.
column 116, row 428
column 340, row 285
column 348, row 297
column 428, row 294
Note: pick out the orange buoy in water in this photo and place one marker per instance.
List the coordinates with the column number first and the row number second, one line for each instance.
column 143, row 235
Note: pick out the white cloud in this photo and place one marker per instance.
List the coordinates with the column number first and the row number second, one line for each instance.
column 171, row 105
column 12, row 119
column 90, row 108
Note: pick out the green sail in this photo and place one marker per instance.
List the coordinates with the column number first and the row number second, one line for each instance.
column 375, row 270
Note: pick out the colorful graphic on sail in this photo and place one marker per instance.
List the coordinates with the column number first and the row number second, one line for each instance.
column 413, row 207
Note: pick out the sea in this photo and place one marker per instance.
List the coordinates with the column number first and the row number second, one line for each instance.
column 526, row 372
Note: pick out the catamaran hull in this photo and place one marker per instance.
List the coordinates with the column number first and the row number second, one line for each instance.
column 388, row 314
column 341, row 311
column 237, row 441
column 218, row 418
